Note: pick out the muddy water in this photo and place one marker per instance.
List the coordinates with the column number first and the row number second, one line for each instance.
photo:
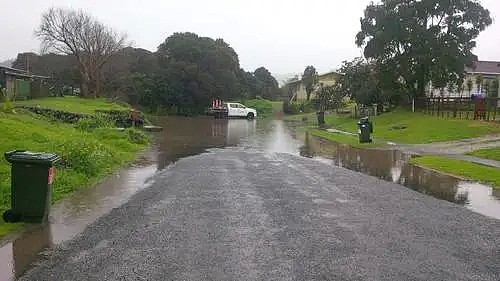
column 184, row 137
column 71, row 215
column 392, row 165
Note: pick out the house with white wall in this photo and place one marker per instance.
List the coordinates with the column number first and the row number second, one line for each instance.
column 298, row 88
column 478, row 79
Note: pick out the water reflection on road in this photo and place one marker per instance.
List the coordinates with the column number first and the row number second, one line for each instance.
column 392, row 165
column 184, row 137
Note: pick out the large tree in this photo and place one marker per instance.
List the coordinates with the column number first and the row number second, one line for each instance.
column 268, row 87
column 78, row 34
column 198, row 69
column 309, row 78
column 249, row 85
column 126, row 65
column 360, row 81
column 422, row 41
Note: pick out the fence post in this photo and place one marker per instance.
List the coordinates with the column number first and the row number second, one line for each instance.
column 455, row 108
column 438, row 106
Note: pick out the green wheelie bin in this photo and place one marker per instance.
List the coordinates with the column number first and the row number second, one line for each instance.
column 32, row 174
column 365, row 129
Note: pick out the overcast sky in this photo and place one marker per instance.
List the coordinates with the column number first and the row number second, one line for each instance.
column 282, row 35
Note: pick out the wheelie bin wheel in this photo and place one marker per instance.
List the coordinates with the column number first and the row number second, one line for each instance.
column 9, row 216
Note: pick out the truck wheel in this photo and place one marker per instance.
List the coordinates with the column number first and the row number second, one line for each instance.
column 250, row 116
column 9, row 216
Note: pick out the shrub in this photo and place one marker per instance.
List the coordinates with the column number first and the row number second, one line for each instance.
column 136, row 136
column 298, row 107
column 94, row 122
column 85, row 155
column 56, row 115
column 292, row 108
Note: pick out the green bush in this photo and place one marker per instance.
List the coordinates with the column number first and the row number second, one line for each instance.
column 56, row 115
column 298, row 107
column 136, row 136
column 85, row 155
column 94, row 122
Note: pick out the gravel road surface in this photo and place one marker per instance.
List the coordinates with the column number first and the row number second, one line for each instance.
column 234, row 214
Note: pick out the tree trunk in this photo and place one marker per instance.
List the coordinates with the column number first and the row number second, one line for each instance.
column 84, row 87
column 97, row 84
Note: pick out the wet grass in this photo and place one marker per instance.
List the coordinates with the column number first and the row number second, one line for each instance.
column 464, row 169
column 265, row 108
column 88, row 155
column 75, row 104
column 277, row 106
column 342, row 138
column 402, row 126
column 8, row 228
column 490, row 153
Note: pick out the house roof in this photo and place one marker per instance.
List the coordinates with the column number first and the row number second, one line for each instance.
column 329, row 73
column 485, row 67
column 319, row 75
column 12, row 70
column 20, row 73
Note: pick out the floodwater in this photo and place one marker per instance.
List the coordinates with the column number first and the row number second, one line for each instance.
column 184, row 137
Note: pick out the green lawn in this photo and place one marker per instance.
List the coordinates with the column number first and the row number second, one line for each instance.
column 89, row 155
column 74, row 104
column 490, row 153
column 342, row 138
column 465, row 169
column 277, row 106
column 298, row 117
column 265, row 108
column 420, row 128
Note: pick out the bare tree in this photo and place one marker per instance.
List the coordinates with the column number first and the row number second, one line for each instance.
column 77, row 33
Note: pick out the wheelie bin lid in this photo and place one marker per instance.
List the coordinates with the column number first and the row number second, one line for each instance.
column 363, row 120
column 24, row 156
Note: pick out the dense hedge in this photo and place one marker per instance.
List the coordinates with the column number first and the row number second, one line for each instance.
column 121, row 118
column 59, row 115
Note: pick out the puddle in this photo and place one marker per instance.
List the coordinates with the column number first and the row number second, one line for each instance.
column 392, row 165
column 72, row 214
column 184, row 137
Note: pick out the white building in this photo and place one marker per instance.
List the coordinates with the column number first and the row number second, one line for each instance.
column 478, row 79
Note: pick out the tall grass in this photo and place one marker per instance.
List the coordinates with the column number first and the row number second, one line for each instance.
column 88, row 152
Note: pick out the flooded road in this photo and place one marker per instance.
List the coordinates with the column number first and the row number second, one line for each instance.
column 184, row 137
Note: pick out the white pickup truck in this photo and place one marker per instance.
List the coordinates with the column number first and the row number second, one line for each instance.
column 232, row 110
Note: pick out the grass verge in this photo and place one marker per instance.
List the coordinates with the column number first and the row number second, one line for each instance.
column 465, row 169
column 88, row 155
column 402, row 126
column 342, row 138
column 490, row 153
column 265, row 108
column 75, row 104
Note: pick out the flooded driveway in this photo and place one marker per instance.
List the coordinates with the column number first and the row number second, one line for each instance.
column 184, row 137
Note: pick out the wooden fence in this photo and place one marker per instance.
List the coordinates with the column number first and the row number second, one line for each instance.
column 487, row 109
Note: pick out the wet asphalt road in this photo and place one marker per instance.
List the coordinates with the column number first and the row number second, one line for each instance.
column 235, row 214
